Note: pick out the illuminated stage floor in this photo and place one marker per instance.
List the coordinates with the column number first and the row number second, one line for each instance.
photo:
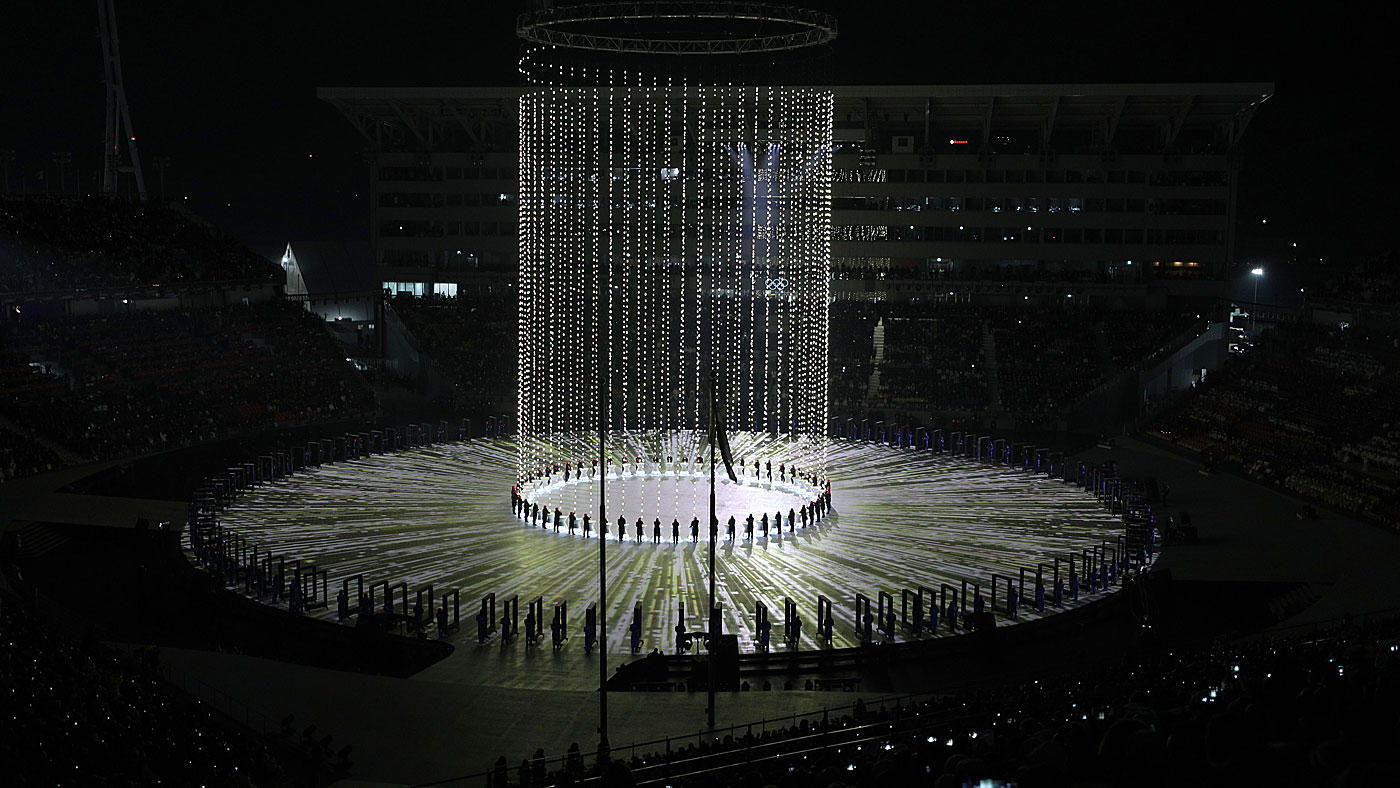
column 442, row 515
column 671, row 499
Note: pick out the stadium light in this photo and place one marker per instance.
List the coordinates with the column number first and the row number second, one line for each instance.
column 1257, row 273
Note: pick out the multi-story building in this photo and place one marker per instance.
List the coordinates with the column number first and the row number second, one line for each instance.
column 1095, row 188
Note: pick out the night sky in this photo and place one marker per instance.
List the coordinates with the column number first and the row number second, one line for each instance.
column 226, row 90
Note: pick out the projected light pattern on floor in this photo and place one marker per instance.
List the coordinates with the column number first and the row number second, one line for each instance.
column 442, row 515
column 668, row 480
column 674, row 500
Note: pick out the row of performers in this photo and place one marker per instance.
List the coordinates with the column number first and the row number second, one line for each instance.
column 546, row 473
column 811, row 513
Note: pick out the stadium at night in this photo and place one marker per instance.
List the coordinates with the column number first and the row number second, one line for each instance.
column 697, row 396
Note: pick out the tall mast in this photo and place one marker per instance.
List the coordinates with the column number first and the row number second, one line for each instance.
column 118, row 116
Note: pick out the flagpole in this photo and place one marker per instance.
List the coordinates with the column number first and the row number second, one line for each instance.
column 604, row 409
column 714, row 635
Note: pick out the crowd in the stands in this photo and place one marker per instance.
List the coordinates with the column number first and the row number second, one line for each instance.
column 1372, row 280
column 1047, row 359
column 1309, row 408
column 76, row 246
column 21, row 456
column 934, row 357
column 1299, row 710
column 471, row 341
column 947, row 357
column 881, row 271
column 103, row 386
column 82, row 714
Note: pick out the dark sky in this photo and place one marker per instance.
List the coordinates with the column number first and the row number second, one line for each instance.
column 227, row 91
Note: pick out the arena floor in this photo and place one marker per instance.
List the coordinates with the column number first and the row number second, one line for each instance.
column 451, row 719
column 441, row 515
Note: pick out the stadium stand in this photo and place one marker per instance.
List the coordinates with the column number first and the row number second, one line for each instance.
column 1309, row 409
column 952, row 358
column 1371, row 280
column 1313, row 707
column 1049, row 359
column 48, row 246
column 85, row 714
column 105, row 386
column 862, row 270
column 471, row 340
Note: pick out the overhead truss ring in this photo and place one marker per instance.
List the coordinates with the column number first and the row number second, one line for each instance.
column 748, row 29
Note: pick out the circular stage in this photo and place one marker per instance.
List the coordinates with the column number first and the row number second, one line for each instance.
column 672, row 499
column 901, row 518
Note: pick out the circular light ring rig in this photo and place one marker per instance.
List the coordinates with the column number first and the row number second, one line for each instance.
column 678, row 27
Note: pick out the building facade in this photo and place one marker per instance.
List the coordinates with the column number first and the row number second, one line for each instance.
column 1091, row 189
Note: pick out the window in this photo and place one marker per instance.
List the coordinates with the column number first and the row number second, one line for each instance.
column 445, row 289
column 405, row 288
